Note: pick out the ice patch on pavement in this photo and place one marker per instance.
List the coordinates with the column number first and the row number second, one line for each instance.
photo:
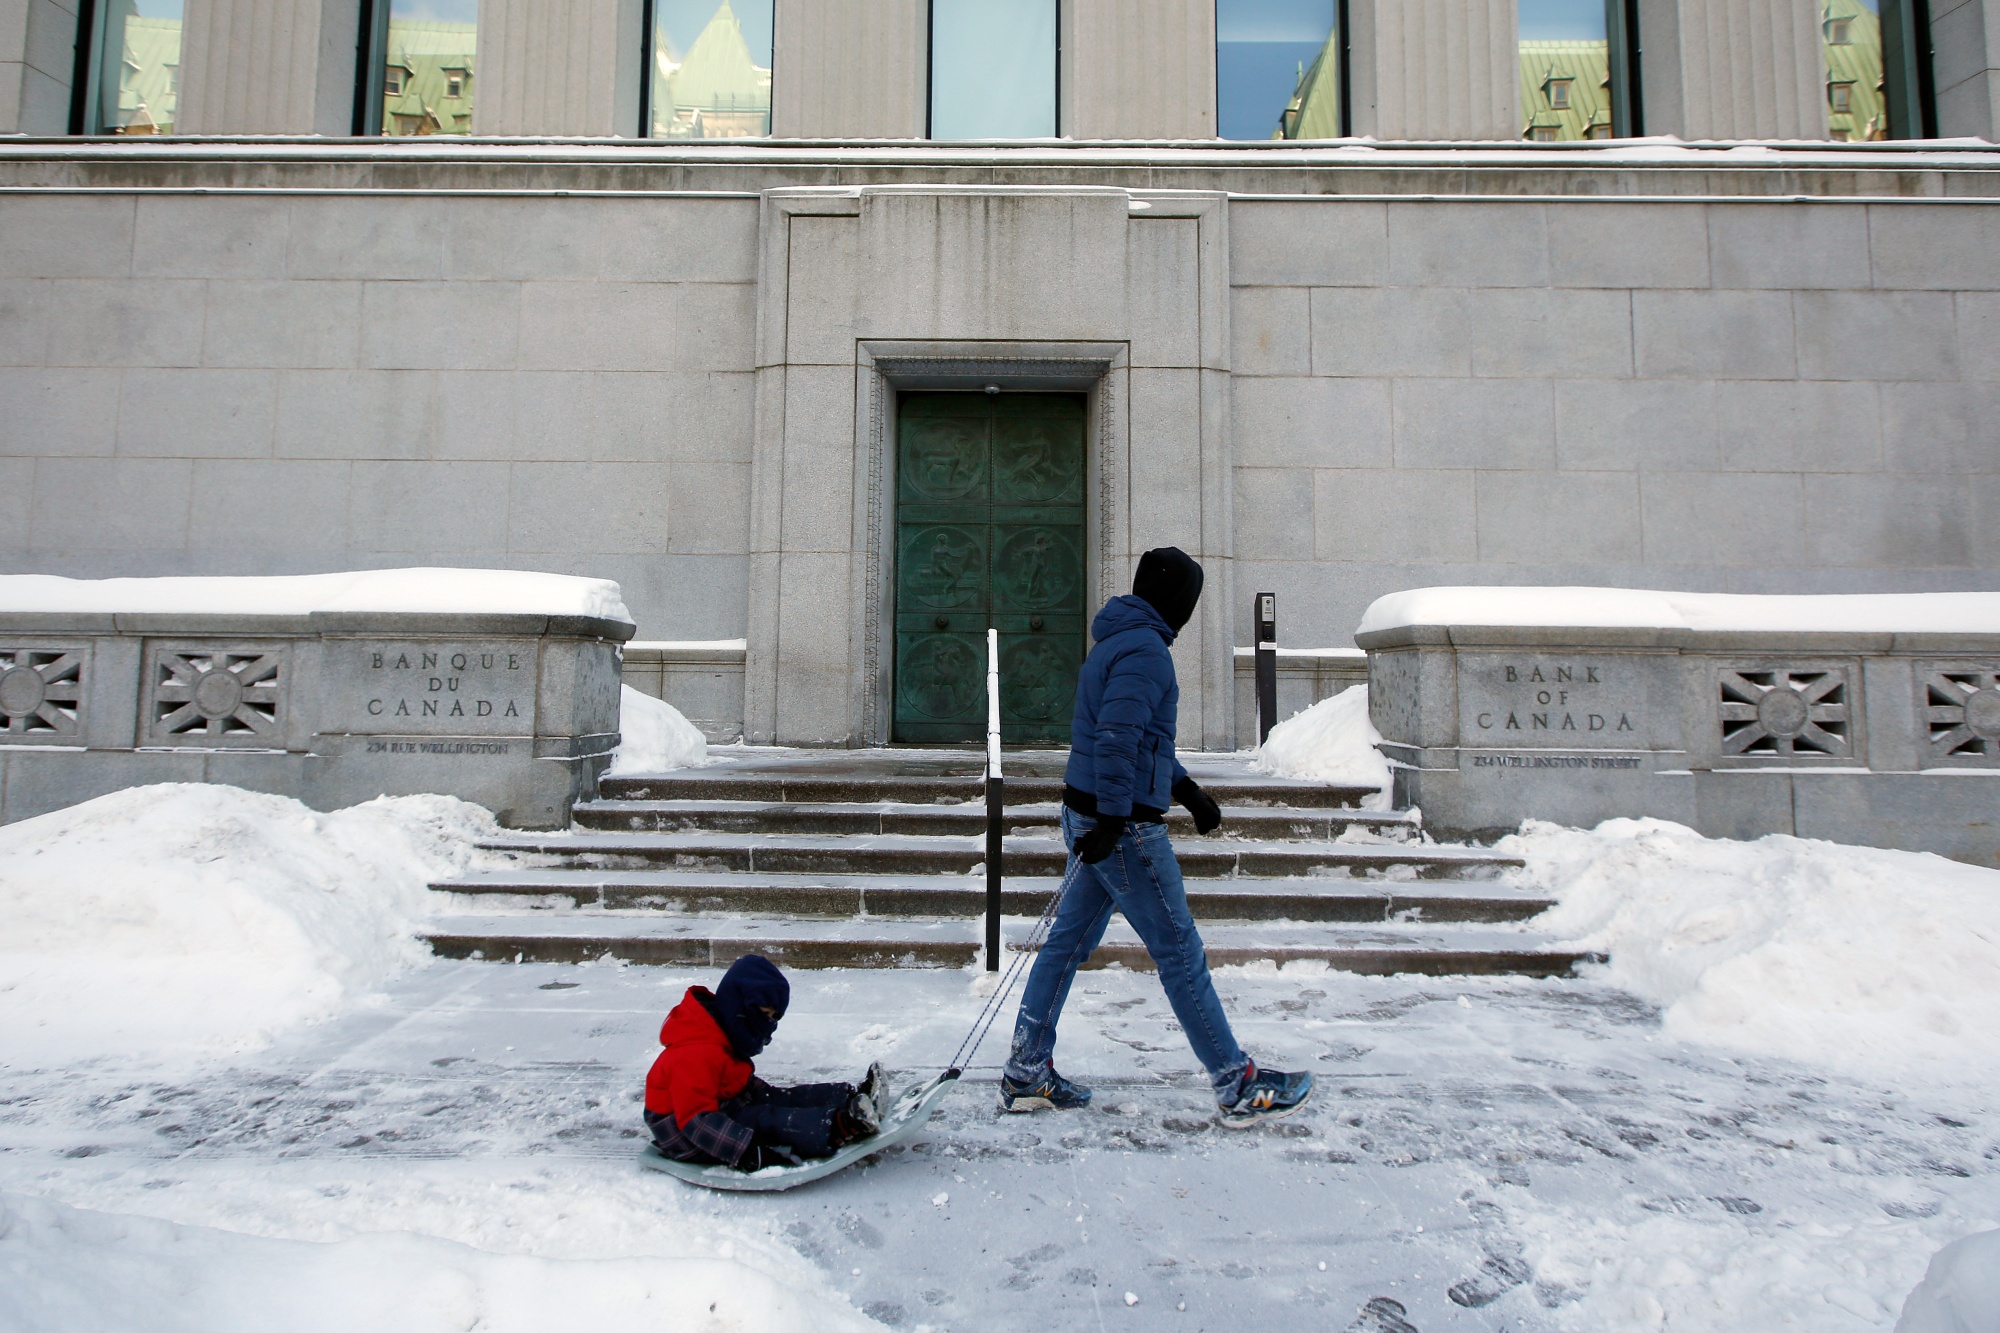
column 1870, row 960
column 192, row 917
column 654, row 737
column 65, row 1268
column 1333, row 741
column 1960, row 1292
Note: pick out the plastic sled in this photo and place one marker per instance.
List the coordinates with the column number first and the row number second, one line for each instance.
column 904, row 1120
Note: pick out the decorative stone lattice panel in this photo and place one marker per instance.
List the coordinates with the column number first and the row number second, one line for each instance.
column 232, row 695
column 41, row 694
column 1960, row 706
column 1786, row 712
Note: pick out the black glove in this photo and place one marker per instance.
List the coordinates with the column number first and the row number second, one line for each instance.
column 1207, row 814
column 1095, row 845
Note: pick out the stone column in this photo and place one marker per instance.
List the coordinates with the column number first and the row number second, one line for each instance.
column 1434, row 69
column 1965, row 34
column 1138, row 69
column 1733, row 69
column 267, row 67
column 851, row 69
column 558, row 67
column 37, row 58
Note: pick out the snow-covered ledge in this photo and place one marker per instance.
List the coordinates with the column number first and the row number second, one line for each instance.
column 497, row 686
column 1871, row 719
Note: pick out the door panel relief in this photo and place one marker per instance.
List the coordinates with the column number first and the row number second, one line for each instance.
column 989, row 532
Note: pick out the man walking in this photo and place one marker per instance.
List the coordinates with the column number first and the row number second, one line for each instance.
column 1121, row 773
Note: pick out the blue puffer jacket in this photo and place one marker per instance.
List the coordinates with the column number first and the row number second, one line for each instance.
column 1121, row 741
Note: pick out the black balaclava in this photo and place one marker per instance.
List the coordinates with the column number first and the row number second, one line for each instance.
column 751, row 980
column 1170, row 579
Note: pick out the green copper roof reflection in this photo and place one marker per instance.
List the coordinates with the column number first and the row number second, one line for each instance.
column 1565, row 90
column 1854, row 71
column 716, row 91
column 429, row 56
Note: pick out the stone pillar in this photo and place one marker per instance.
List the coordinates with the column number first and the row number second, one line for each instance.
column 558, row 67
column 1138, row 69
column 1965, row 35
column 851, row 69
column 1434, row 69
column 37, row 59
column 267, row 67
column 1733, row 69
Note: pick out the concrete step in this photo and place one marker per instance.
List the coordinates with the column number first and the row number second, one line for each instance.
column 1266, row 823
column 805, row 786
column 689, row 893
column 711, row 942
column 782, row 853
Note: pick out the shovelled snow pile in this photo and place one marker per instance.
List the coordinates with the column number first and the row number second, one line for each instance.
column 68, row 1268
column 654, row 737
column 1850, row 956
column 1333, row 741
column 1960, row 1292
column 191, row 917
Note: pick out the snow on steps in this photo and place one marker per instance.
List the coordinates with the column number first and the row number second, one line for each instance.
column 964, row 896
column 888, row 854
column 875, row 859
column 578, row 937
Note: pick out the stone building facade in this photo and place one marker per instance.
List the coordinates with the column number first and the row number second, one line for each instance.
column 1329, row 370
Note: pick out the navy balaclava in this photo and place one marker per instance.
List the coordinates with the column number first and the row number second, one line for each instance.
column 1170, row 580
column 751, row 980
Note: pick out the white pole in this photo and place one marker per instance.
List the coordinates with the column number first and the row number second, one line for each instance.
column 996, row 801
column 992, row 703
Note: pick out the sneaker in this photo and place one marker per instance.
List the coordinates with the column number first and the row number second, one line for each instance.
column 1266, row 1095
column 870, row 1098
column 1051, row 1092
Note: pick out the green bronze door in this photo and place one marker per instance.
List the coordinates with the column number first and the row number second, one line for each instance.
column 989, row 532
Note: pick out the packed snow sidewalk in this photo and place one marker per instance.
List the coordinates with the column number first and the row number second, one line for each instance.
column 1535, row 1146
column 216, row 1043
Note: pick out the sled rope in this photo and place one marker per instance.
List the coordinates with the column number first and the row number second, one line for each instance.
column 997, row 1001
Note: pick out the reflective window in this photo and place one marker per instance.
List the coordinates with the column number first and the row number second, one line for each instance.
column 134, row 78
column 1277, row 69
column 711, row 69
column 1565, row 55
column 1878, row 69
column 427, row 78
column 993, row 69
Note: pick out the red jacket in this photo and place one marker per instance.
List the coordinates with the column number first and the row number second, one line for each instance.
column 698, row 1071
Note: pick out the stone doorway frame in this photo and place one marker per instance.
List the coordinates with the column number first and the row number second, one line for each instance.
column 885, row 367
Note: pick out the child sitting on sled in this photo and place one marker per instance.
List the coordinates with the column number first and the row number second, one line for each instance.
column 705, row 1103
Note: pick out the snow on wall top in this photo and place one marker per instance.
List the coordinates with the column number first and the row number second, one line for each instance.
column 1640, row 608
column 449, row 591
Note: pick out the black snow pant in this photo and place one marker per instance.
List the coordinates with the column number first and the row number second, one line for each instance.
column 799, row 1118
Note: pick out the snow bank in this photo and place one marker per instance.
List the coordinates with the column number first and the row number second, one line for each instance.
column 1960, row 1292
column 1851, row 956
column 1639, row 608
column 1670, row 1272
column 63, row 1269
column 466, row 591
column 191, row 917
column 653, row 737
column 1333, row 741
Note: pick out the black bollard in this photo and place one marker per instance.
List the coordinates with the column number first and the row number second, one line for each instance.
column 1267, row 664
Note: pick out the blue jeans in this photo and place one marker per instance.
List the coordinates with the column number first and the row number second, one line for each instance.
column 1142, row 879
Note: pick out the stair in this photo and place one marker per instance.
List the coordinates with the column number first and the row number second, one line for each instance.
column 876, row 859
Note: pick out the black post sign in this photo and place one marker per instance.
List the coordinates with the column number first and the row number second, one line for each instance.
column 1267, row 664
